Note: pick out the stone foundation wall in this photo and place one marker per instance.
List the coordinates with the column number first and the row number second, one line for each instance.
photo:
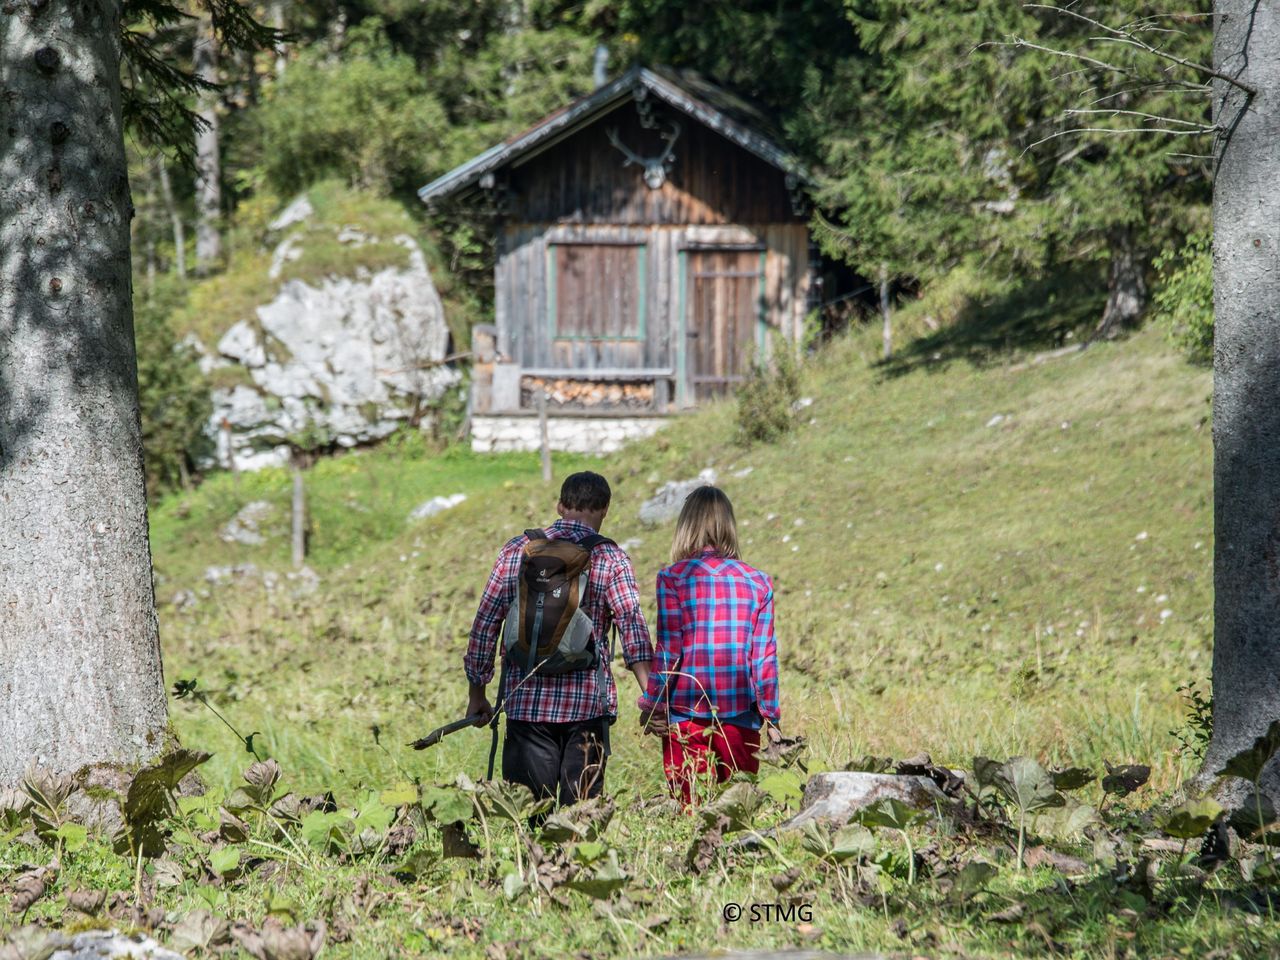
column 500, row 434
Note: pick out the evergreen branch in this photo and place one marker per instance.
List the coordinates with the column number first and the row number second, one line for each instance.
column 1120, row 36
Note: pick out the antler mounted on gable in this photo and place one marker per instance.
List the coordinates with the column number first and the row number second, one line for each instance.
column 655, row 168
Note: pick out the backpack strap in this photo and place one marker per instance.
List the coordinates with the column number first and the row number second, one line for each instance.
column 604, row 658
column 537, row 533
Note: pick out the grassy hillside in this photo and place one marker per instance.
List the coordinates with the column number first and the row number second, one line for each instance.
column 968, row 561
column 974, row 554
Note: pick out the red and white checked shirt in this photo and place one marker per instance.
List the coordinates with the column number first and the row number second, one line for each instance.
column 717, row 655
column 612, row 597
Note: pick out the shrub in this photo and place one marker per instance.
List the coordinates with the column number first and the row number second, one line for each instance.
column 365, row 115
column 1183, row 298
column 173, row 394
column 767, row 399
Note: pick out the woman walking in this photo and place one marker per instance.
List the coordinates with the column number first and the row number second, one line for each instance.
column 715, row 681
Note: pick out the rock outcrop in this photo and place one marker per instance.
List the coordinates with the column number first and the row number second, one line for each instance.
column 343, row 363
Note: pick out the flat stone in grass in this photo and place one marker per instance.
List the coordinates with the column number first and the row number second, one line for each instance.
column 105, row 944
column 836, row 797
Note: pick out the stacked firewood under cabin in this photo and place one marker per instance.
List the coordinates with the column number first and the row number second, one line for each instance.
column 586, row 394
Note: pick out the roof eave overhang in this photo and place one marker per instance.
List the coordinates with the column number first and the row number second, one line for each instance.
column 559, row 125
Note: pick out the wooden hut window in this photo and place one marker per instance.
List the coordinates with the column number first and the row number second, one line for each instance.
column 597, row 291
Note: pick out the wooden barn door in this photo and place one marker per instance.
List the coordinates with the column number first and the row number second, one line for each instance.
column 725, row 291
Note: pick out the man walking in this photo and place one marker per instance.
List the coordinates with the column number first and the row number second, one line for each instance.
column 553, row 604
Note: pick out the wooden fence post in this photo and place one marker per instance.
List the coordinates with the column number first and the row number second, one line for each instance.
column 545, row 434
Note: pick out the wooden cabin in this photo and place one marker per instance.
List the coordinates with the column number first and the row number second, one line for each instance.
column 651, row 242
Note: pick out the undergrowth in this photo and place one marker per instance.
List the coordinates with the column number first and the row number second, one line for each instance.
column 971, row 559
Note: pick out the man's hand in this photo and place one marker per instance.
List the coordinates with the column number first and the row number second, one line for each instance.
column 478, row 705
column 654, row 721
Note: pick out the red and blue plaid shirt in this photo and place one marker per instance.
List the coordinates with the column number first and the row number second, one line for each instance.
column 612, row 597
column 716, row 654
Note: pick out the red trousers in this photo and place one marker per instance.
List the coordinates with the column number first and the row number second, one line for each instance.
column 700, row 753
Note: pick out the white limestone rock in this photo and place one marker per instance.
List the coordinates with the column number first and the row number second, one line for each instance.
column 245, row 527
column 436, row 505
column 296, row 212
column 243, row 345
column 835, row 797
column 665, row 504
column 104, row 944
column 350, row 359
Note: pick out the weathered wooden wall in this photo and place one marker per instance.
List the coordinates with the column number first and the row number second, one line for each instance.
column 712, row 181
column 526, row 327
column 578, row 191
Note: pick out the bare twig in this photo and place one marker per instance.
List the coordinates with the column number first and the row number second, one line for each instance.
column 1120, row 36
column 1115, row 112
column 1119, row 132
column 1109, row 67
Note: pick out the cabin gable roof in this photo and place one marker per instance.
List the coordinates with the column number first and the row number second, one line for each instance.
column 709, row 105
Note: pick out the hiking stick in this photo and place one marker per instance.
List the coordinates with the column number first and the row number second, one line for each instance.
column 438, row 734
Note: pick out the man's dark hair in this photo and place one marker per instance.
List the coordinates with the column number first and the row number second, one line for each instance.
column 585, row 491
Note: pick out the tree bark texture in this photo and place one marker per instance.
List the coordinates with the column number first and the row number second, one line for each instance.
column 208, row 159
column 1246, row 385
column 299, row 515
column 80, row 672
column 1126, row 284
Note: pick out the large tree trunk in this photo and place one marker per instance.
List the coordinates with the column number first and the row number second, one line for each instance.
column 80, row 674
column 1126, row 284
column 208, row 160
column 1246, row 385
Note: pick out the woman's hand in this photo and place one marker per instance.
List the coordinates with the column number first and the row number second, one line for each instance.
column 654, row 721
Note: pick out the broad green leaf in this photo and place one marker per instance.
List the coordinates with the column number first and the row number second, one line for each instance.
column 373, row 814
column 588, row 852
column 511, row 801
column 783, row 787
column 1192, row 819
column 1027, row 785
column 284, row 907
column 1063, row 823
column 985, row 771
column 851, row 841
column 214, row 898
column 973, row 877
column 739, row 803
column 148, row 800
column 815, row 839
column 447, row 804
column 601, row 884
column 420, row 863
column 1248, row 763
column 402, row 793
column 73, row 836
column 587, row 820
column 326, row 831
column 889, row 812
column 224, row 860
column 1262, row 870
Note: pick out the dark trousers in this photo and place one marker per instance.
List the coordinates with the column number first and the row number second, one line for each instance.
column 555, row 759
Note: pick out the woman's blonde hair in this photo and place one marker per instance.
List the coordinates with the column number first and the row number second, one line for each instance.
column 706, row 521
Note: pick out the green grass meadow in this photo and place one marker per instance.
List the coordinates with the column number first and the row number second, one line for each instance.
column 973, row 557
